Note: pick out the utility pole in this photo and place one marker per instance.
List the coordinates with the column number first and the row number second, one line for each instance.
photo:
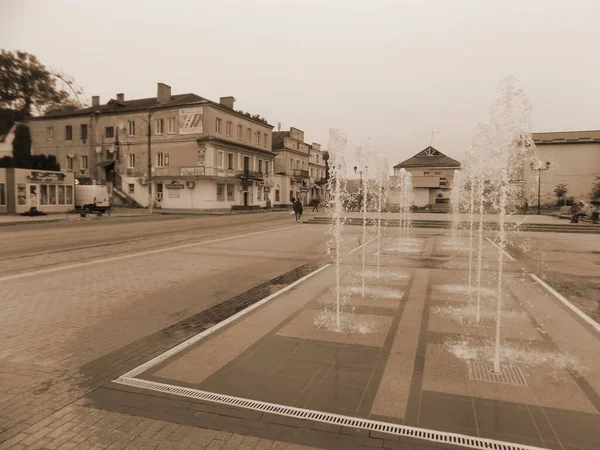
column 150, row 200
column 539, row 171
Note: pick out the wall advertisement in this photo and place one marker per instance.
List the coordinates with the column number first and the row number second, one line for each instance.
column 190, row 121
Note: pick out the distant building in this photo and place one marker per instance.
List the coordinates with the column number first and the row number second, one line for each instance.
column 292, row 161
column 204, row 155
column 432, row 176
column 574, row 158
column 316, row 165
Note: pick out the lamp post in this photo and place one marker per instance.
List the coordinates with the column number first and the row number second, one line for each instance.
column 539, row 171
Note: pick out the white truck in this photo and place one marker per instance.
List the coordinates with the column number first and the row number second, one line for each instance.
column 92, row 198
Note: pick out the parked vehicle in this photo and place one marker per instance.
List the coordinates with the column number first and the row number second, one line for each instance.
column 92, row 198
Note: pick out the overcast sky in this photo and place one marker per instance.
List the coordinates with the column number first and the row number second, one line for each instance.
column 388, row 70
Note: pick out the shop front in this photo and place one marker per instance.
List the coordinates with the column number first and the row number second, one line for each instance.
column 47, row 191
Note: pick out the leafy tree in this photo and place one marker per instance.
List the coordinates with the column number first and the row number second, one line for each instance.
column 22, row 146
column 595, row 194
column 26, row 84
column 7, row 161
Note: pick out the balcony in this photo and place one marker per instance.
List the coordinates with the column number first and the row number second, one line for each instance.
column 320, row 181
column 251, row 175
column 195, row 172
column 299, row 173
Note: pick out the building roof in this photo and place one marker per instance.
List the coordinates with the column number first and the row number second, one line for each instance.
column 567, row 137
column 428, row 157
column 144, row 104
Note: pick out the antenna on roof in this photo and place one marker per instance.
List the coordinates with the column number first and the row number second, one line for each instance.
column 278, row 126
column 432, row 133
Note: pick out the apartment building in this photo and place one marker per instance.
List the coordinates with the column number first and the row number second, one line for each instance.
column 201, row 154
column 432, row 176
column 291, row 174
column 316, row 167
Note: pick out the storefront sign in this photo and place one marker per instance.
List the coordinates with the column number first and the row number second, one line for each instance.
column 191, row 171
column 190, row 121
column 45, row 177
column 175, row 185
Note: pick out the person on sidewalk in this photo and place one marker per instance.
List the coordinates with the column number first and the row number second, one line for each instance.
column 298, row 209
column 316, row 202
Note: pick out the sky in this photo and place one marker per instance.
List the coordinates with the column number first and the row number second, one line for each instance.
column 387, row 71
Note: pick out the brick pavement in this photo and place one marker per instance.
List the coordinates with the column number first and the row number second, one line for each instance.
column 51, row 325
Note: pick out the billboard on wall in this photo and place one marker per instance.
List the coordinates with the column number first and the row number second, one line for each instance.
column 190, row 120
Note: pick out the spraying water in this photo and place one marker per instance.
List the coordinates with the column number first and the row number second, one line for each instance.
column 405, row 187
column 455, row 199
column 363, row 156
column 382, row 176
column 337, row 169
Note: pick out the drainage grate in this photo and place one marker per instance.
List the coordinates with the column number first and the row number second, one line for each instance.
column 319, row 416
column 483, row 371
column 344, row 327
column 487, row 323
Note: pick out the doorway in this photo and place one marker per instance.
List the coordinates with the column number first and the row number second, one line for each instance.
column 245, row 198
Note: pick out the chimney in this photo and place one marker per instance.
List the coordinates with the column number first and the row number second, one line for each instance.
column 163, row 93
column 227, row 102
column 96, row 100
column 120, row 97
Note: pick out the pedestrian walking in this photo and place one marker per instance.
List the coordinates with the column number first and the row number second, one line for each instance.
column 316, row 205
column 298, row 209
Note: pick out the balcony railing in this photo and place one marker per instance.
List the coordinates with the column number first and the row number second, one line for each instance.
column 299, row 173
column 320, row 181
column 251, row 175
column 195, row 171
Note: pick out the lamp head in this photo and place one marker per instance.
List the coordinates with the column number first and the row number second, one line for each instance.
column 547, row 165
column 531, row 165
column 355, row 169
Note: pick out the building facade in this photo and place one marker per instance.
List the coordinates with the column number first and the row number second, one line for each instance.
column 432, row 176
column 574, row 158
column 316, row 167
column 292, row 175
column 201, row 154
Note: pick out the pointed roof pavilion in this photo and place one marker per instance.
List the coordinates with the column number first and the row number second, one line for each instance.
column 428, row 157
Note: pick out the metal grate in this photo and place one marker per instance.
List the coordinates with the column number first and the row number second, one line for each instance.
column 486, row 323
column 484, row 371
column 336, row 419
column 344, row 327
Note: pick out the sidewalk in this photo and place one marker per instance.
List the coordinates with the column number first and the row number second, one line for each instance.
column 17, row 219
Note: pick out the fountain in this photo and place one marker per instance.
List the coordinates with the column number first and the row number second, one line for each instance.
column 505, row 145
column 405, row 187
column 455, row 200
column 364, row 154
column 382, row 178
column 337, row 170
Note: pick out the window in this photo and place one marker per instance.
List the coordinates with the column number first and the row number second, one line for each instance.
column 109, row 132
column 220, row 192
column 69, row 200
column 131, row 128
column 291, row 195
column 159, row 191
column 159, row 126
column 228, row 128
column 2, row 194
column 249, row 135
column 230, row 160
column 277, row 195
column 171, row 125
column 230, row 192
column 43, row 194
column 61, row 195
column 426, row 173
column 69, row 163
column 83, row 132
column 50, row 133
column 260, row 162
column 131, row 161
column 220, row 159
column 218, row 126
column 131, row 188
column 68, row 133
column 267, row 167
column 258, row 194
column 291, row 164
column 239, row 132
column 265, row 139
column 246, row 163
column 84, row 162
column 317, row 158
column 162, row 159
column 258, row 138
column 437, row 173
column 52, row 194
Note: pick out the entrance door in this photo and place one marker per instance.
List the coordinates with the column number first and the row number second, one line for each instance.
column 245, row 198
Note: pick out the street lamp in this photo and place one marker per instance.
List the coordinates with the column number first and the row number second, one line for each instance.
column 539, row 171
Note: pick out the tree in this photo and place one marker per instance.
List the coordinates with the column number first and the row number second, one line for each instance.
column 22, row 146
column 26, row 84
column 595, row 193
column 560, row 190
